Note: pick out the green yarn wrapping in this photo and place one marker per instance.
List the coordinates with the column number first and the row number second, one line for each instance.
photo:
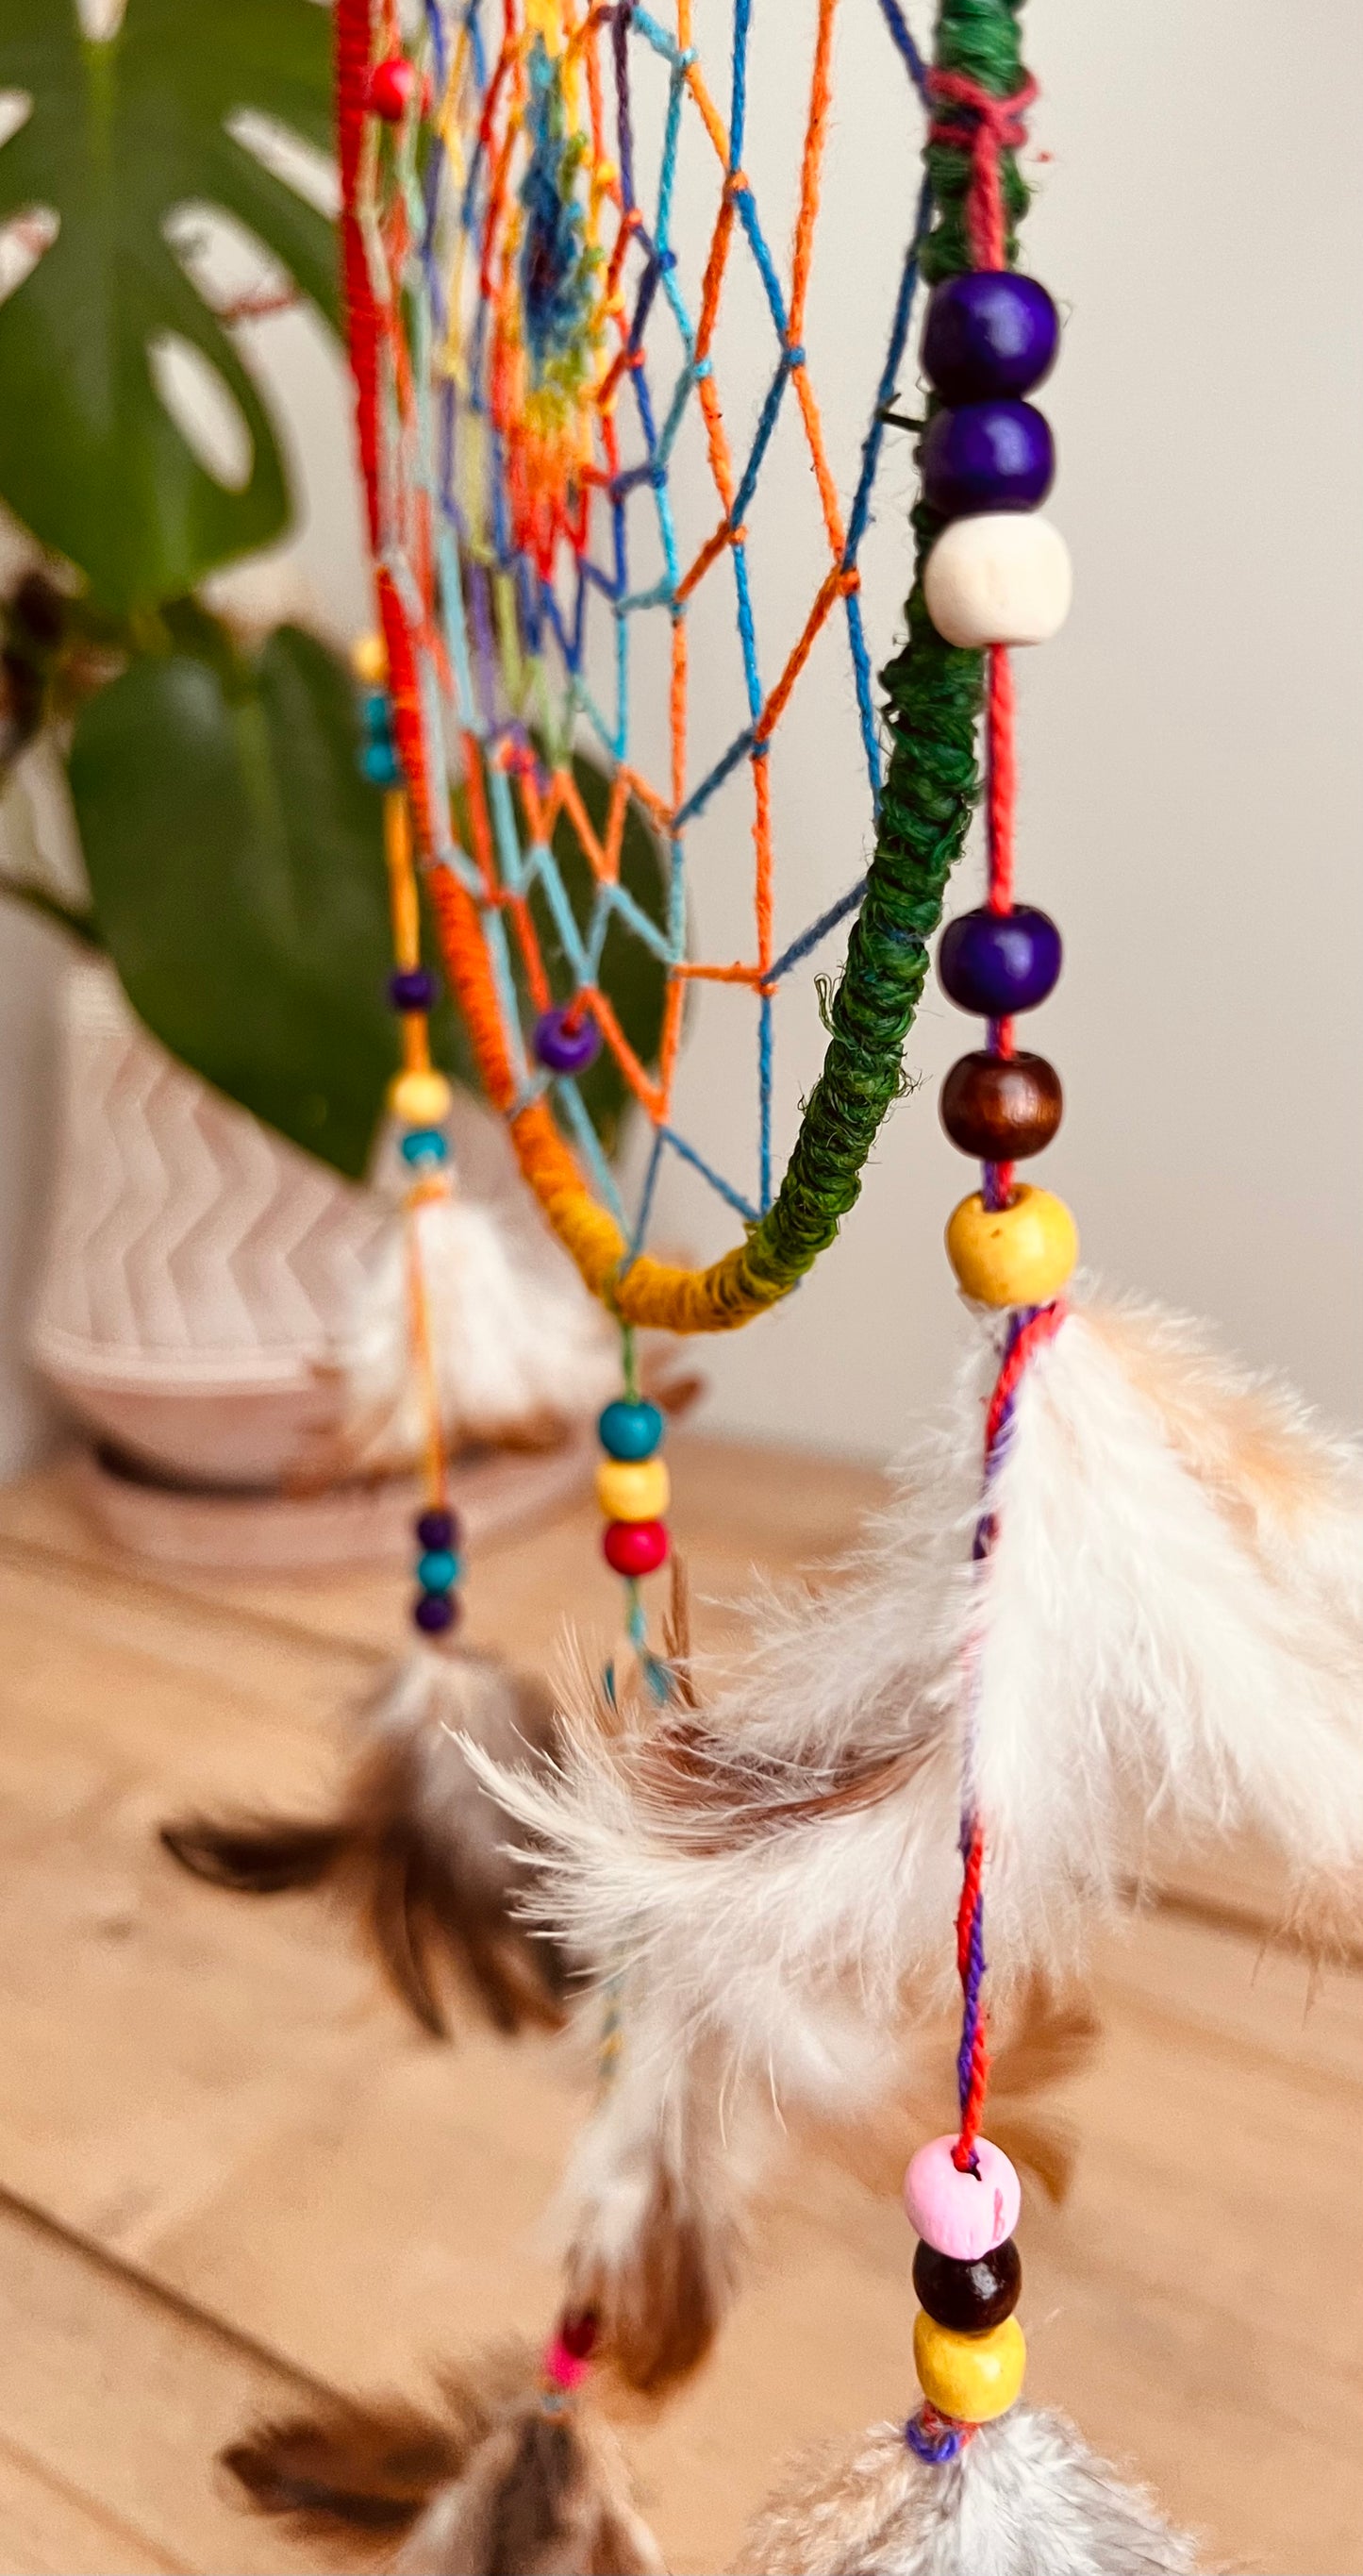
column 933, row 697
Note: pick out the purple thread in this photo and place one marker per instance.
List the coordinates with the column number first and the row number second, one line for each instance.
column 934, row 2449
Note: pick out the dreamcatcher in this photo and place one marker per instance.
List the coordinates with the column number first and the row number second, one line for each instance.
column 1126, row 1586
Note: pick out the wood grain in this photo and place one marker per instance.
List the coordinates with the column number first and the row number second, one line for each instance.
column 227, row 2162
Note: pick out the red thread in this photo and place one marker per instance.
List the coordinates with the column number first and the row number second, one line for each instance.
column 967, row 1943
column 1001, row 771
column 973, row 2059
column 1027, row 1341
column 1001, row 721
column 351, row 58
column 1000, row 126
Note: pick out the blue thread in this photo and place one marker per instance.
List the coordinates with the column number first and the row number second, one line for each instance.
column 766, row 423
column 818, row 930
column 735, row 1199
column 696, row 803
column 739, row 108
column 645, row 1209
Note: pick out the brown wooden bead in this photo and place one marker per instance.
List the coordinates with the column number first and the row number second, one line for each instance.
column 999, row 1108
column 970, row 2298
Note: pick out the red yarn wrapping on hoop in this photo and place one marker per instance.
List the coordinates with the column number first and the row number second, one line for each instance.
column 1000, row 126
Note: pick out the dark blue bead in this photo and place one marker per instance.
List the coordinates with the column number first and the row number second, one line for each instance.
column 991, row 332
column 412, row 988
column 434, row 1612
column 376, row 714
column 629, row 1430
column 987, row 456
column 566, row 1040
column 437, row 1528
column 999, row 962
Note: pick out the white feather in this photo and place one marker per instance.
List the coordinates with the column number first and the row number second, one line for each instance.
column 519, row 1347
column 1167, row 1630
column 1026, row 2498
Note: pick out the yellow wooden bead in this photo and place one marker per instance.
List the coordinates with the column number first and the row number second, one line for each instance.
column 1015, row 1256
column 420, row 1099
column 633, row 1490
column 973, row 2377
column 369, row 660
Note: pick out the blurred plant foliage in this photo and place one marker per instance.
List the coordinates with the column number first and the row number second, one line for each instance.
column 234, row 853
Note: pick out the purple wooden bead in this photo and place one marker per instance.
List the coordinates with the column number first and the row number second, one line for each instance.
column 434, row 1612
column 412, row 988
column 437, row 1528
column 999, row 962
column 566, row 1040
column 991, row 332
column 987, row 456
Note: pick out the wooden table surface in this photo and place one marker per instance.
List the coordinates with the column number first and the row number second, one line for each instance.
column 228, row 2167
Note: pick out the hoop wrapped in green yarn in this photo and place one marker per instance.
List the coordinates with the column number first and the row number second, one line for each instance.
column 933, row 695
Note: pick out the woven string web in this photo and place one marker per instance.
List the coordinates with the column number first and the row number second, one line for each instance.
column 564, row 484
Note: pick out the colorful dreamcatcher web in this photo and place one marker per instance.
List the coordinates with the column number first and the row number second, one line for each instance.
column 560, row 491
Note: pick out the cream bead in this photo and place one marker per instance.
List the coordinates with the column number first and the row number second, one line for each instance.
column 1001, row 578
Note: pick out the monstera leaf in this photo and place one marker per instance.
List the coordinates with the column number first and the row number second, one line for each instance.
column 122, row 134
column 235, row 858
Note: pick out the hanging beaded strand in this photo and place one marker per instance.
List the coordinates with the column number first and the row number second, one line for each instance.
column 421, row 1099
column 988, row 461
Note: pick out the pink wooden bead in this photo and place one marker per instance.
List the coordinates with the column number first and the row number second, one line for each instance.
column 962, row 2214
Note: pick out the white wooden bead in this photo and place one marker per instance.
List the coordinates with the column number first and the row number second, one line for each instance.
column 1001, row 578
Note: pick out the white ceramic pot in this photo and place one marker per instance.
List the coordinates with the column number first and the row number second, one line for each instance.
column 198, row 1268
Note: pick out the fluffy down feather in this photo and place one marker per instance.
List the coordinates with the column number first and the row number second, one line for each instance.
column 1166, row 1633
column 1027, row 2498
column 435, row 1868
column 521, row 1350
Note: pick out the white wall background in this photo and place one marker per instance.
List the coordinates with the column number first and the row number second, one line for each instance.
column 1192, row 748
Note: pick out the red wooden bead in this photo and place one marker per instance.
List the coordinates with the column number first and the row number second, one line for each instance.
column 634, row 1547
column 391, row 85
column 1001, row 1107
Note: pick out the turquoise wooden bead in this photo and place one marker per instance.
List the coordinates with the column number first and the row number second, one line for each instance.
column 630, row 1430
column 438, row 1570
column 380, row 764
column 424, row 1145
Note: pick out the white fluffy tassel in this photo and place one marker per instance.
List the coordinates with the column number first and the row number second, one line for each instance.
column 1026, row 2498
column 521, row 1351
column 1167, row 1632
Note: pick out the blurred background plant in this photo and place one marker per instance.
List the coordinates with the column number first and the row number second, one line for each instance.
column 232, row 849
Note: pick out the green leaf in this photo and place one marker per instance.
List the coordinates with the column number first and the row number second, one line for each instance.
column 122, row 134
column 236, row 865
